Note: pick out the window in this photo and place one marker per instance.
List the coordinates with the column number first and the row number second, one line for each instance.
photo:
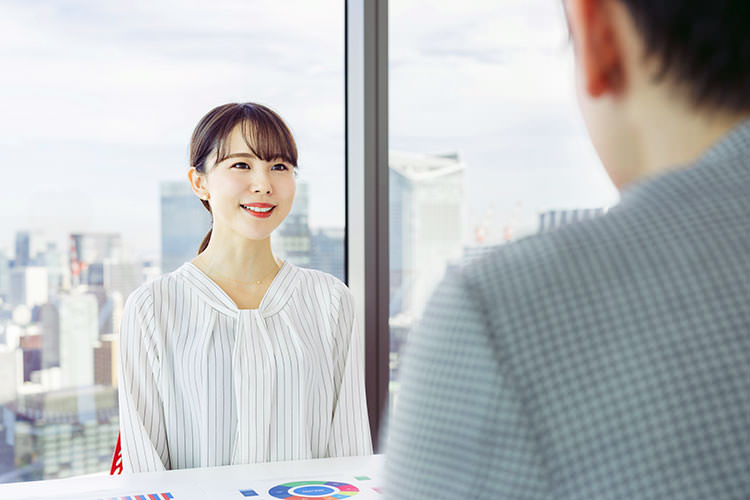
column 486, row 144
column 99, row 100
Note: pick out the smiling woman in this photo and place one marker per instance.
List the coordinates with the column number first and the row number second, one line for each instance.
column 237, row 356
column 243, row 154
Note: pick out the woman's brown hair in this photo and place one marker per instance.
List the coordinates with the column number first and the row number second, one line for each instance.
column 265, row 133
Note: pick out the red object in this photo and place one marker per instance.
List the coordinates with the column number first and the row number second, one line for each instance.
column 116, row 459
column 260, row 215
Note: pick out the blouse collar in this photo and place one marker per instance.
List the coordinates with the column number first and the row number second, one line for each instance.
column 279, row 291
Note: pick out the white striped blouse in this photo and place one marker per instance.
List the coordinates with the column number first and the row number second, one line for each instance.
column 203, row 383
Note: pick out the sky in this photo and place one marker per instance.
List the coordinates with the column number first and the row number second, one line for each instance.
column 98, row 100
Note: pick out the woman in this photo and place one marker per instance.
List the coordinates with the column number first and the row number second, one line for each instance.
column 237, row 356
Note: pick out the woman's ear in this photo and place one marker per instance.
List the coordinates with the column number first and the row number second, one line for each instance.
column 598, row 49
column 198, row 183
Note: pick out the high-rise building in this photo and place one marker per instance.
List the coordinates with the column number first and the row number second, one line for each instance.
column 105, row 307
column 292, row 239
column 121, row 277
column 58, row 272
column 88, row 252
column 79, row 333
column 49, row 320
column 553, row 219
column 31, row 345
column 4, row 277
column 328, row 251
column 30, row 247
column 23, row 249
column 184, row 224
column 28, row 286
column 9, row 373
column 57, row 434
column 426, row 214
column 105, row 361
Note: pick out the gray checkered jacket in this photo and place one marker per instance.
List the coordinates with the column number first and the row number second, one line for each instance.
column 609, row 359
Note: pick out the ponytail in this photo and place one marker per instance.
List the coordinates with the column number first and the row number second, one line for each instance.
column 206, row 239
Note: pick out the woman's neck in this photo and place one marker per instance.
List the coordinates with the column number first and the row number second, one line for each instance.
column 248, row 261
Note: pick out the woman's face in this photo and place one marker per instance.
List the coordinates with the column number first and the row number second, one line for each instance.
column 249, row 196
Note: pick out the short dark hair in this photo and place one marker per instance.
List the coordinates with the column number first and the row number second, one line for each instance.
column 701, row 45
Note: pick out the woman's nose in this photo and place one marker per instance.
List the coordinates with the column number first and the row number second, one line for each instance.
column 261, row 183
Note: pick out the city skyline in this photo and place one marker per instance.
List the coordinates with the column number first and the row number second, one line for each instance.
column 121, row 94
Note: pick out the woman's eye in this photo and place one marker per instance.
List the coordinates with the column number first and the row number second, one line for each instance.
column 280, row 166
column 241, row 164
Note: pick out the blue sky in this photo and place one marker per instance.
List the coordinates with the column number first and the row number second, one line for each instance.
column 98, row 100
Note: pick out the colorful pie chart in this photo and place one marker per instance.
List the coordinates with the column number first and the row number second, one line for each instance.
column 314, row 490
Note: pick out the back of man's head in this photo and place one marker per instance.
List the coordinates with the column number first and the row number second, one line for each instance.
column 659, row 81
column 701, row 45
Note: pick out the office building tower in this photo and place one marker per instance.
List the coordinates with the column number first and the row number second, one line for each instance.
column 292, row 239
column 79, row 333
column 327, row 253
column 105, row 361
column 9, row 373
column 121, row 277
column 553, row 219
column 106, row 308
column 49, row 321
column 4, row 277
column 23, row 249
column 28, row 286
column 31, row 346
column 118, row 303
column 184, row 224
column 426, row 214
column 88, row 252
column 55, row 262
column 30, row 247
column 13, row 333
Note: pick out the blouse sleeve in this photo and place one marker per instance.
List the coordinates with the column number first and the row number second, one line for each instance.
column 350, row 427
column 142, row 430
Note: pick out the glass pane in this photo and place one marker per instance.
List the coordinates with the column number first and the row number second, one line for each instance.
column 486, row 142
column 98, row 102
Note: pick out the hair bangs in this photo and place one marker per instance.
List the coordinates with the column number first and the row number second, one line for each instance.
column 265, row 134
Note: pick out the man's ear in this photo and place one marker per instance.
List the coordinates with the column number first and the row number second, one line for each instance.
column 198, row 183
column 598, row 48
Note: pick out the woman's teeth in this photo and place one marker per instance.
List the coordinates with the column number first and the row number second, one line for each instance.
column 257, row 209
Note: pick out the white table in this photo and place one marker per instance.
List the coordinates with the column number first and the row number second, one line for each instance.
column 350, row 477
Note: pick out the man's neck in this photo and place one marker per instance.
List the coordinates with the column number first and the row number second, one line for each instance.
column 675, row 138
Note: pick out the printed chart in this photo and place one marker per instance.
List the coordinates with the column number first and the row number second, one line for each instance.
column 325, row 490
column 360, row 487
column 339, row 478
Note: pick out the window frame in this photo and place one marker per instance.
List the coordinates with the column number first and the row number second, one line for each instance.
column 366, row 170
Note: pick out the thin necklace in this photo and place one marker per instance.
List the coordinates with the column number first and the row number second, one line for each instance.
column 245, row 283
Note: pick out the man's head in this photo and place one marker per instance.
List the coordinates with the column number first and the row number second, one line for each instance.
column 646, row 65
